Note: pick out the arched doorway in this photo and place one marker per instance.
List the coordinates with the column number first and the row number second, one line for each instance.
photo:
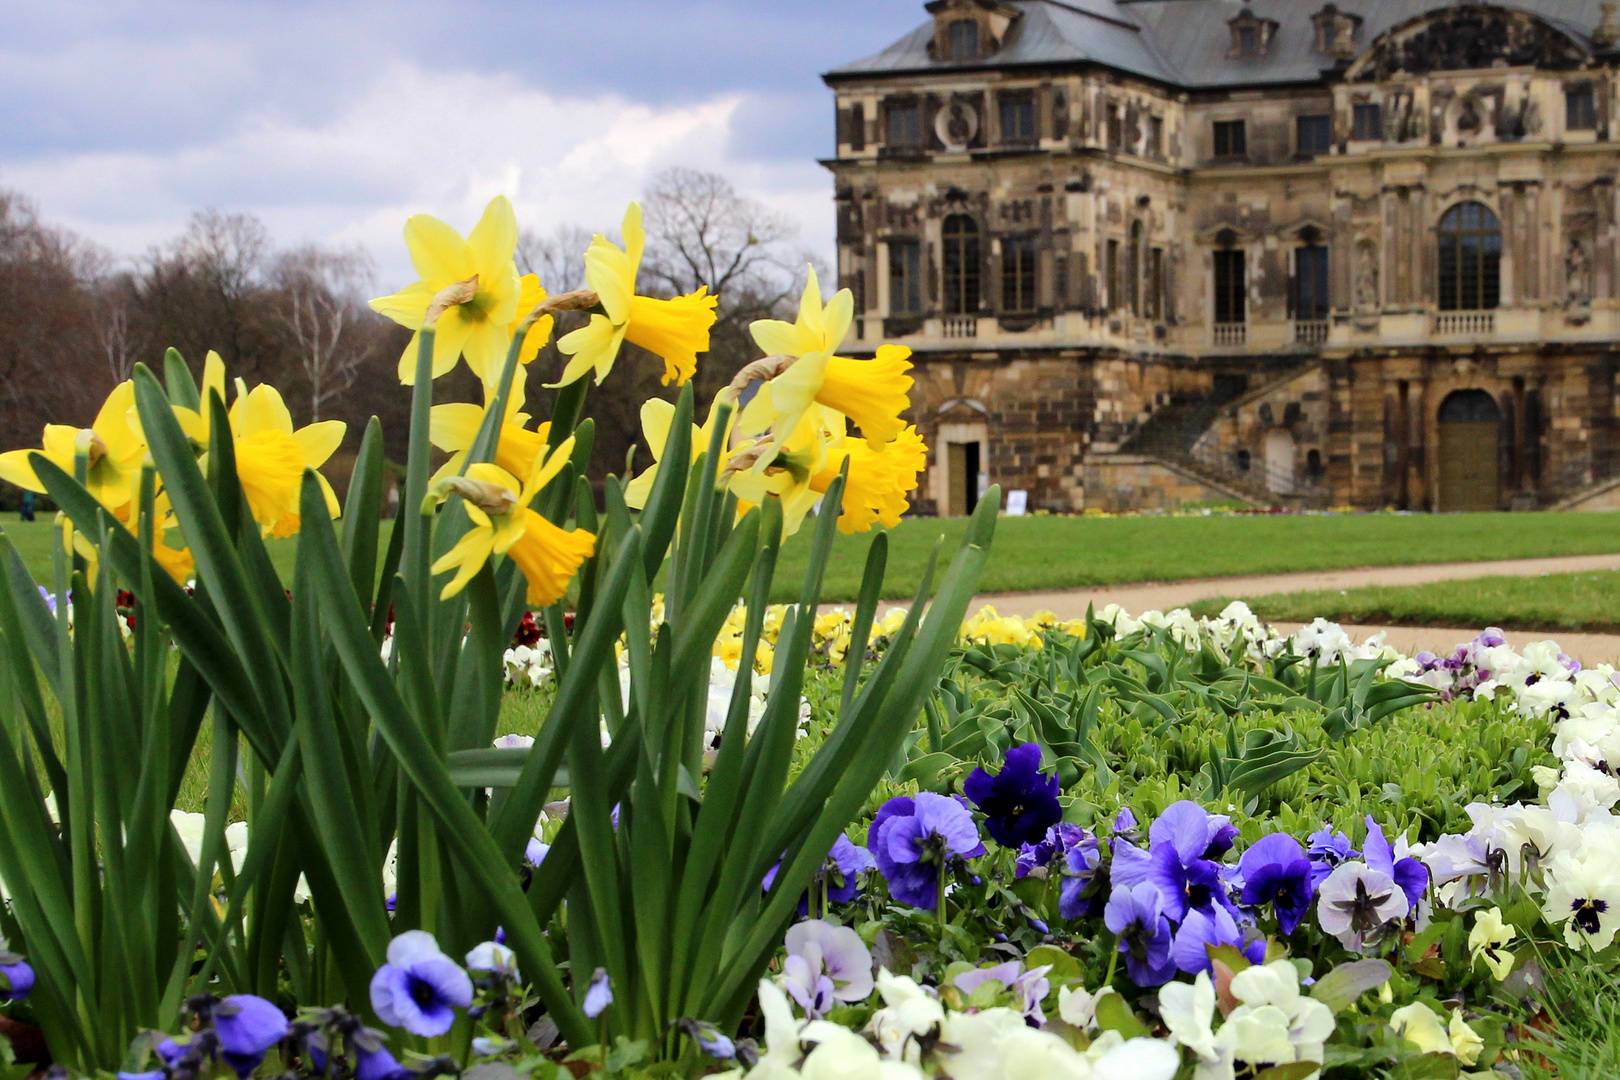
column 1279, row 462
column 1470, row 425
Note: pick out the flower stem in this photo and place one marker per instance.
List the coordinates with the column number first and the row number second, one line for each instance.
column 1113, row 962
column 939, row 903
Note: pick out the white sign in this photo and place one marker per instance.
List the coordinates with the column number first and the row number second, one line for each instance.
column 1017, row 503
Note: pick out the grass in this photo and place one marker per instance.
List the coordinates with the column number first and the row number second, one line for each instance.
column 1037, row 553
column 1588, row 601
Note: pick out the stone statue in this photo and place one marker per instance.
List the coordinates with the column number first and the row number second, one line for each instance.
column 1577, row 273
column 1366, row 275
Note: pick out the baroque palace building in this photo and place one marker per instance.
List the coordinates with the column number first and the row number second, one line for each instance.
column 1158, row 252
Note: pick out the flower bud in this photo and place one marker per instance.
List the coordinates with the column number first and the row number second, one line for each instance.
column 490, row 498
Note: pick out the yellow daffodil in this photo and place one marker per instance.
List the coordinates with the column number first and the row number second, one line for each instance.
column 113, row 450
column 530, row 296
column 879, row 480
column 761, row 469
column 453, row 427
column 196, row 422
column 676, row 330
column 177, row 562
column 801, row 369
column 504, row 524
column 271, row 457
column 656, row 415
column 480, row 327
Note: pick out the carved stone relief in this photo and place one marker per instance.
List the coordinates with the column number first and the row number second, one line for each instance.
column 1577, row 272
column 1469, row 38
column 956, row 125
column 1366, row 275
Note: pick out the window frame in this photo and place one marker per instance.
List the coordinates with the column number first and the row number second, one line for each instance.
column 1023, row 102
column 1321, row 124
column 1586, row 94
column 954, row 53
column 905, row 276
column 1155, row 135
column 1020, row 268
column 891, row 112
column 960, row 265
column 1231, row 295
column 1312, row 285
column 1111, row 271
column 1368, row 116
column 1234, row 134
column 1460, row 287
column 1155, row 284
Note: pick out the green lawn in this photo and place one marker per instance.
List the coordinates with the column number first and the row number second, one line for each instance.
column 1586, row 601
column 1034, row 553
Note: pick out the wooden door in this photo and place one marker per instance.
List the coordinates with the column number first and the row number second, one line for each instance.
column 956, row 475
column 1469, row 478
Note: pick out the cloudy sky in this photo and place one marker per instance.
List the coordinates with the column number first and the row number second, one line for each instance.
column 333, row 120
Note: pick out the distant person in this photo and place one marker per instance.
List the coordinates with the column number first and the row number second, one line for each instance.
column 393, row 502
column 25, row 506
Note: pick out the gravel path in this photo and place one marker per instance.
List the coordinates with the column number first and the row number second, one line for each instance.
column 1144, row 596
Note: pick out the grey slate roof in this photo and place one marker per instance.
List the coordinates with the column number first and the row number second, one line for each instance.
column 1184, row 42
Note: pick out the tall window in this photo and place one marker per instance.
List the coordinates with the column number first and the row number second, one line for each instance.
column 1230, row 286
column 1470, row 258
column 1017, row 118
column 905, row 124
column 1367, row 122
column 1311, row 282
column 1155, row 147
column 857, row 126
column 1111, row 275
column 1155, row 283
column 905, row 277
column 1116, row 126
column 1133, row 270
column 1315, row 134
column 961, row 240
column 1231, row 138
column 964, row 39
column 1018, row 273
column 1580, row 108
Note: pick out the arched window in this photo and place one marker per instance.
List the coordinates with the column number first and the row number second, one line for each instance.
column 1470, row 258
column 961, row 244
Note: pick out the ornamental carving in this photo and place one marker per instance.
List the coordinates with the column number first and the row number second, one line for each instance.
column 1470, row 38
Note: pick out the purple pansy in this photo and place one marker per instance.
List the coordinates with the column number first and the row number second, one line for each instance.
column 839, row 873
column 247, row 1027
column 419, row 988
column 1194, row 831
column 1019, row 803
column 1031, row 986
column 1326, row 850
column 19, row 976
column 1215, row 929
column 1409, row 873
column 1133, row 915
column 1185, row 884
column 913, row 839
column 599, row 995
column 1276, row 871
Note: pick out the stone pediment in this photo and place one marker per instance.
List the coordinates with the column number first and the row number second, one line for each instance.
column 1469, row 37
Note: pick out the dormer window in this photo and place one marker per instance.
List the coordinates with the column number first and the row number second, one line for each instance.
column 962, row 39
column 969, row 30
column 1335, row 32
column 1251, row 35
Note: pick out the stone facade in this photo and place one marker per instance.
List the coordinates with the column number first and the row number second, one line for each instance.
column 1363, row 254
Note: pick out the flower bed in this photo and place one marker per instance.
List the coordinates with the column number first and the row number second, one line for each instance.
column 688, row 833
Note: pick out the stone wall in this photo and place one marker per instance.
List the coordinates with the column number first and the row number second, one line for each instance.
column 1120, row 482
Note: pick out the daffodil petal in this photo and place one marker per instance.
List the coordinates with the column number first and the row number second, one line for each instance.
column 320, row 440
column 439, row 254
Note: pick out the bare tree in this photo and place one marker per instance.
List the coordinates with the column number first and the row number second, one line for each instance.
column 702, row 232
column 117, row 324
column 320, row 295
column 557, row 258
column 207, row 290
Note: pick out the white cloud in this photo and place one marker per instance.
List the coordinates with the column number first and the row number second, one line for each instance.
column 415, row 141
